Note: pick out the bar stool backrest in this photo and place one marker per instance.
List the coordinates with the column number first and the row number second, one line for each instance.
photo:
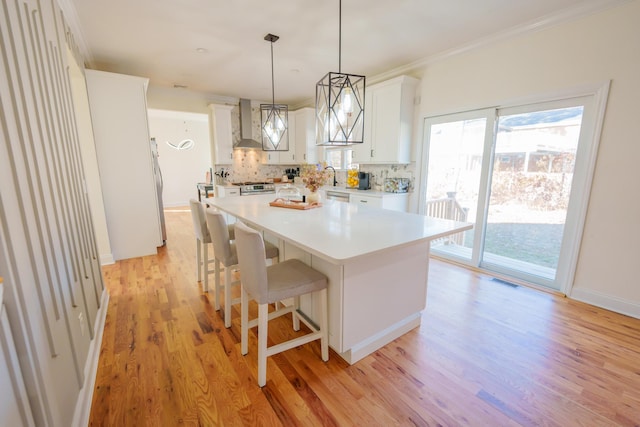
column 250, row 248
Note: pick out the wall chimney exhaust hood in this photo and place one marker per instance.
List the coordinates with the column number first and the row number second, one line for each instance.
column 246, row 141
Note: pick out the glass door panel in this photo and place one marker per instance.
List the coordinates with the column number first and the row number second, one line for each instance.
column 455, row 159
column 533, row 166
column 511, row 172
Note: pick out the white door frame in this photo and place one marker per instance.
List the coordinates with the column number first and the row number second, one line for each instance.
column 590, row 132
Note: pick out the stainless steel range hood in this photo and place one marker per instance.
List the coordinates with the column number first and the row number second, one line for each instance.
column 246, row 141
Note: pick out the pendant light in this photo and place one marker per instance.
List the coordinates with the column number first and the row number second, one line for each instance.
column 186, row 144
column 340, row 104
column 274, row 117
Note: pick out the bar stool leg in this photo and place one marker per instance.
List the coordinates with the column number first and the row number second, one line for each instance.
column 217, row 279
column 244, row 322
column 227, row 297
column 324, row 325
column 263, row 320
column 294, row 315
column 198, row 259
column 205, row 266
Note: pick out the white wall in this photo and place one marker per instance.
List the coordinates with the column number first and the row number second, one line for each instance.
column 586, row 51
column 181, row 170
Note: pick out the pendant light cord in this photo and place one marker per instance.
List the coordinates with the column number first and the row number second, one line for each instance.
column 273, row 90
column 340, row 37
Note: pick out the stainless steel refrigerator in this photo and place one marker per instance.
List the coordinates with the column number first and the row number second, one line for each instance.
column 158, row 179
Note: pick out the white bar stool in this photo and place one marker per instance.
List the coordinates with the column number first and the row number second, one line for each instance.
column 225, row 253
column 203, row 238
column 267, row 285
column 202, row 242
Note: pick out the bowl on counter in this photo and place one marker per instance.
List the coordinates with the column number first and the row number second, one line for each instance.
column 396, row 185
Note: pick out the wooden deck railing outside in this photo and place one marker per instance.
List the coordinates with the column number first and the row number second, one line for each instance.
column 448, row 208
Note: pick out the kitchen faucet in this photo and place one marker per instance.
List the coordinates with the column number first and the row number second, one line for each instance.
column 335, row 181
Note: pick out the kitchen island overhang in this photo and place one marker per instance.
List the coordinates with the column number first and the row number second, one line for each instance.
column 377, row 262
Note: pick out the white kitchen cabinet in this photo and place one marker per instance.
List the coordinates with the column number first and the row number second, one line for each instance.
column 279, row 157
column 287, row 157
column 305, row 131
column 270, row 158
column 388, row 122
column 391, row 201
column 221, row 133
column 361, row 199
column 376, row 199
column 396, row 202
column 227, row 191
column 302, row 142
column 121, row 132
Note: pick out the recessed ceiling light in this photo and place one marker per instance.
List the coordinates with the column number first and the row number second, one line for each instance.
column 201, row 50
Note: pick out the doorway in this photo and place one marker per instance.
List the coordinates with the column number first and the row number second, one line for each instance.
column 511, row 172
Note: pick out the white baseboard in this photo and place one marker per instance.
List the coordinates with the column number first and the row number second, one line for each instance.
column 381, row 339
column 107, row 259
column 85, row 397
column 606, row 301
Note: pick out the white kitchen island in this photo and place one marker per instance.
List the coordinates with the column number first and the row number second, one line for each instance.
column 377, row 262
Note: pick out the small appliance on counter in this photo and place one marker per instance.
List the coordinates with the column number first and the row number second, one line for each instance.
column 364, row 181
column 396, row 185
column 291, row 173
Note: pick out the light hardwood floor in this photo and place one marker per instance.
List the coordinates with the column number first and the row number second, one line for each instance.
column 486, row 354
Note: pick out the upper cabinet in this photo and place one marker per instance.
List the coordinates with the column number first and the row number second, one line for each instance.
column 221, row 133
column 388, row 122
column 287, row 157
column 302, row 146
column 306, row 149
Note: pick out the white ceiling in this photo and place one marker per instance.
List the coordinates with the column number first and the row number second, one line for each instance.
column 160, row 39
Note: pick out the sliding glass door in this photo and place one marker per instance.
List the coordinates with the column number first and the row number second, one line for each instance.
column 457, row 167
column 510, row 172
column 531, row 179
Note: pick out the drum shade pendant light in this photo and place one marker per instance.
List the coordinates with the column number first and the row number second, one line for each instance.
column 274, row 117
column 340, row 104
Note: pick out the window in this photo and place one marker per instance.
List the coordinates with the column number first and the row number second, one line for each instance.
column 338, row 158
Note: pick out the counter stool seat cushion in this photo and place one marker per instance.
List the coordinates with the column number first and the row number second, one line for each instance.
column 290, row 278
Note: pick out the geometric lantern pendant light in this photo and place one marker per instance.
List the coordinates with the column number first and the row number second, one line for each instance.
column 340, row 104
column 274, row 117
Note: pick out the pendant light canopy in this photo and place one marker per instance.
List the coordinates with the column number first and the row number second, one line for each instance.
column 340, row 104
column 274, row 117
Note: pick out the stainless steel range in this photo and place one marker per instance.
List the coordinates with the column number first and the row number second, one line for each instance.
column 249, row 188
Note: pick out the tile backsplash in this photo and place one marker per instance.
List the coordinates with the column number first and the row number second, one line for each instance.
column 381, row 172
column 247, row 167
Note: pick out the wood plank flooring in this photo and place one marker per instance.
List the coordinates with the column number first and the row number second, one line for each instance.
column 486, row 354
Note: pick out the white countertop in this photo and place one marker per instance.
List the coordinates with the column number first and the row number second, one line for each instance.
column 337, row 231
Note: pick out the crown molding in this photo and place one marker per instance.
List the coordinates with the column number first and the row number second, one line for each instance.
column 71, row 16
column 566, row 15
